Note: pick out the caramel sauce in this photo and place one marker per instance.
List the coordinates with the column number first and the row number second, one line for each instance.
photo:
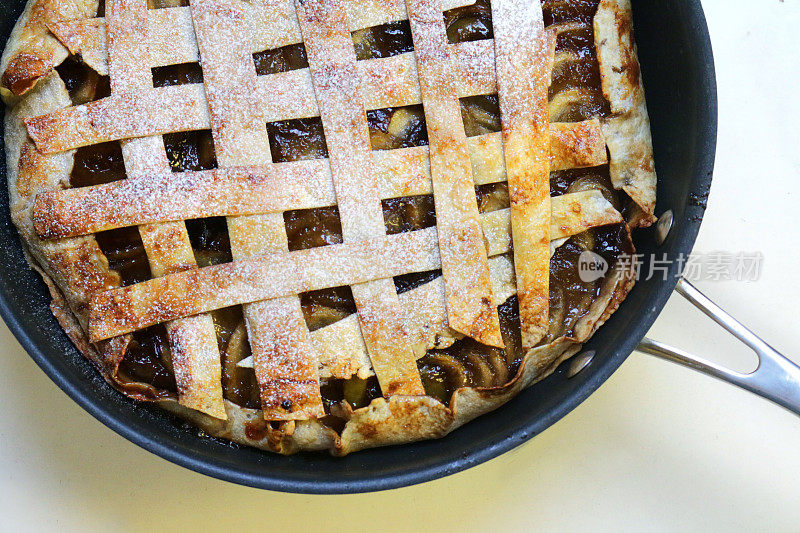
column 385, row 40
column 148, row 360
column 177, row 74
column 282, row 59
column 97, row 164
column 465, row 362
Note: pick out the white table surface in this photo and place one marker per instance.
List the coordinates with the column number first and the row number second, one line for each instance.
column 658, row 447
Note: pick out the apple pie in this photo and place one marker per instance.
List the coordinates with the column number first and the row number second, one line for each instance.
column 327, row 224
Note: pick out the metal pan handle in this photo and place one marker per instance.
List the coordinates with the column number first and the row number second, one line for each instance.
column 777, row 378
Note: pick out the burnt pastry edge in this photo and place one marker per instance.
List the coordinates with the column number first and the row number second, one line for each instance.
column 32, row 51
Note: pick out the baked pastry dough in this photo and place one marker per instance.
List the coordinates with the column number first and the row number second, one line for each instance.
column 330, row 234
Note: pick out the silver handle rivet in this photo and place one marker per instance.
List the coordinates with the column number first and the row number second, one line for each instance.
column 579, row 362
column 663, row 226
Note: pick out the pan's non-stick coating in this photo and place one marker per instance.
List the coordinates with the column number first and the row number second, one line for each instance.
column 678, row 70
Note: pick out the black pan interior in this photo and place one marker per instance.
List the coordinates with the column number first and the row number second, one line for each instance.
column 678, row 71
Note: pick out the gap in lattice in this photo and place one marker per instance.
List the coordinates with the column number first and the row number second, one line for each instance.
column 97, row 164
column 82, row 82
column 297, row 139
column 407, row 282
column 397, row 127
column 408, row 213
column 210, row 241
column 283, row 59
column 164, row 4
column 385, row 40
column 239, row 384
column 586, row 179
column 179, row 74
column 492, row 196
column 481, row 114
column 125, row 253
column 311, row 228
column 148, row 359
column 469, row 23
column 190, row 150
column 324, row 307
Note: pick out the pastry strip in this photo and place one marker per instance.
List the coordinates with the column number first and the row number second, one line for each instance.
column 281, row 187
column 630, row 143
column 523, row 77
column 571, row 214
column 386, row 82
column 340, row 347
column 223, row 198
column 332, row 63
column 471, row 307
column 285, row 363
column 193, row 342
column 285, row 273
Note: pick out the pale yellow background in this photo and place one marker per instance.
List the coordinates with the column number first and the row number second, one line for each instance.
column 658, row 447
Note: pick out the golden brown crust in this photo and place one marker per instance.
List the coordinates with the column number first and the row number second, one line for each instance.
column 390, row 422
column 285, row 361
column 172, row 196
column 32, row 51
column 123, row 115
column 344, row 355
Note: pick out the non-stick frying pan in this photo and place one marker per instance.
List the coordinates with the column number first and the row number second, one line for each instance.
column 678, row 70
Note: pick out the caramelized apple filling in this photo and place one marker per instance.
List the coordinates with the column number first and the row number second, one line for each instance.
column 575, row 95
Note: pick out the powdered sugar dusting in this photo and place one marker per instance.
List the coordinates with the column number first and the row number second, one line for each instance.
column 385, row 82
column 270, row 276
column 285, row 362
column 236, row 105
column 470, row 302
column 523, row 51
column 332, row 62
column 195, row 353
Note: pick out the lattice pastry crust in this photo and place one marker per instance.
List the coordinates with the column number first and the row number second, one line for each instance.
column 390, row 331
